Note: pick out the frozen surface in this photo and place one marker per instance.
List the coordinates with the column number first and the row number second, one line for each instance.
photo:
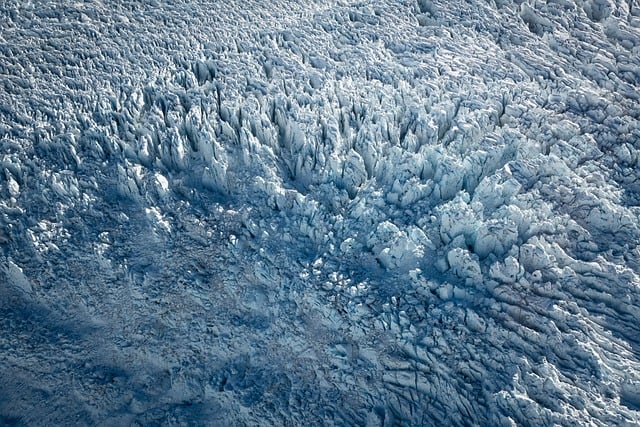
column 320, row 213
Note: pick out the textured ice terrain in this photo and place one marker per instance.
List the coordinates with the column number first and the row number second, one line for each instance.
column 320, row 213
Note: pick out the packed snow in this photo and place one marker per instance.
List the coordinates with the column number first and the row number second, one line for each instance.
column 369, row 213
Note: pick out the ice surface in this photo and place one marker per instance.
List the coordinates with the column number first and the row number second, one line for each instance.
column 320, row 213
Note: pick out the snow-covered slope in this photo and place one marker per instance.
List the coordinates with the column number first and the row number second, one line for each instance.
column 320, row 213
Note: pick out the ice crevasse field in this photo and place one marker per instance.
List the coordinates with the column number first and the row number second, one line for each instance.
column 367, row 213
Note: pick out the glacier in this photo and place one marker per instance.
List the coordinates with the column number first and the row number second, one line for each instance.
column 378, row 213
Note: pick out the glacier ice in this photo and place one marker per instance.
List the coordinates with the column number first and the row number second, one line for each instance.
column 352, row 213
